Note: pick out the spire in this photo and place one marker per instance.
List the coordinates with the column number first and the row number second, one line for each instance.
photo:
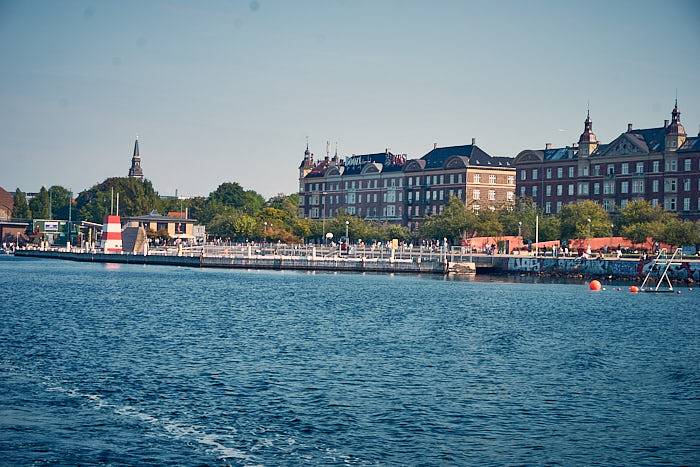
column 307, row 153
column 136, row 146
column 675, row 128
column 136, row 171
column 587, row 136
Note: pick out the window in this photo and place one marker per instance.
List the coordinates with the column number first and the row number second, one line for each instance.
column 375, row 195
column 510, row 196
column 670, row 204
column 476, row 194
column 637, row 186
column 410, row 181
column 459, row 193
column 583, row 171
column 670, row 185
column 611, row 169
column 353, row 184
column 548, row 190
column 686, row 204
column 609, row 205
column 686, row 166
column 442, row 194
column 452, row 178
column 624, row 187
column 523, row 175
column 686, row 184
column 547, row 207
column 671, row 165
column 477, row 178
column 640, row 167
column 459, row 178
column 534, row 191
column 492, row 195
column 427, row 195
column 625, row 170
column 596, row 170
column 571, row 172
column 442, row 179
column 654, row 202
column 549, row 173
column 655, row 165
column 560, row 172
column 596, row 188
column 571, row 189
column 623, row 204
column 583, row 189
column 359, row 198
column 492, row 179
column 401, row 196
column 560, row 190
column 511, row 180
column 558, row 206
column 417, row 195
column 522, row 191
column 534, row 174
column 655, row 186
column 609, row 188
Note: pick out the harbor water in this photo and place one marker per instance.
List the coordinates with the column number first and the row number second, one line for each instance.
column 153, row 365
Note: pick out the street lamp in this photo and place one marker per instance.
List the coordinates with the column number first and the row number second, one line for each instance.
column 265, row 232
column 520, row 225
column 347, row 239
column 323, row 207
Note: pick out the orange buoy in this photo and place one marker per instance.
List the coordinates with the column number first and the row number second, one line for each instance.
column 594, row 285
column 634, row 289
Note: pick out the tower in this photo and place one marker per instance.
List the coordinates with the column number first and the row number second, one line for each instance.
column 675, row 133
column 135, row 171
column 307, row 163
column 587, row 143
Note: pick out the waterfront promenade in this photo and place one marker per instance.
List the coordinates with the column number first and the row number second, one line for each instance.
column 380, row 259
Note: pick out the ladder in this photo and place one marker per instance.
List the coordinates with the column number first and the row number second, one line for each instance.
column 662, row 261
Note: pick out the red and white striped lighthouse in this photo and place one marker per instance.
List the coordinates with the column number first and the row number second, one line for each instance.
column 111, row 241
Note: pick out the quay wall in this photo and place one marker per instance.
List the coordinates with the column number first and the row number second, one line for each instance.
column 485, row 264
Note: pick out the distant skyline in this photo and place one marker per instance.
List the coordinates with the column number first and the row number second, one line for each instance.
column 228, row 91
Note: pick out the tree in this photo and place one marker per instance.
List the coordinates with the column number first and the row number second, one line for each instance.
column 456, row 221
column 574, row 221
column 488, row 224
column 136, row 198
column 40, row 205
column 20, row 208
column 60, row 197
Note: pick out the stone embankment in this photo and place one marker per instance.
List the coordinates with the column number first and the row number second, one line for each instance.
column 624, row 269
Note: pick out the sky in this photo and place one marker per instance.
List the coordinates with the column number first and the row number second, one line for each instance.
column 228, row 91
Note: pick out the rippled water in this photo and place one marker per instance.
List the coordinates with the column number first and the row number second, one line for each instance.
column 162, row 365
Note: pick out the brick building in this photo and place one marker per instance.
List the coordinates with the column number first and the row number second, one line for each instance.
column 388, row 187
column 661, row 165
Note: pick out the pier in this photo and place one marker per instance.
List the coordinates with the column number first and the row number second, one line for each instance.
column 454, row 260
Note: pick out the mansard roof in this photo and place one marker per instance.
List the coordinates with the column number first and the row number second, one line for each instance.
column 471, row 153
column 691, row 144
column 547, row 155
column 355, row 164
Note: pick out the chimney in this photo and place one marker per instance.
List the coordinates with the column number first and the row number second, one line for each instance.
column 434, row 145
column 548, row 146
column 629, row 127
column 473, row 141
column 387, row 150
column 665, row 123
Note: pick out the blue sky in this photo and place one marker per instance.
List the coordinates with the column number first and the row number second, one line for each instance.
column 229, row 90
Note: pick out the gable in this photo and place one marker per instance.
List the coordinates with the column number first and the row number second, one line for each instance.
column 529, row 156
column 455, row 162
column 413, row 166
column 624, row 146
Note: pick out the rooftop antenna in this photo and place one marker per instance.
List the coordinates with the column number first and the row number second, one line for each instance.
column 589, row 109
column 676, row 97
column 307, row 142
column 328, row 148
column 336, row 149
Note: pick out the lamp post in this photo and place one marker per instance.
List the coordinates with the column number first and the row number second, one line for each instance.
column 520, row 225
column 323, row 208
column 265, row 233
column 347, row 239
column 588, row 235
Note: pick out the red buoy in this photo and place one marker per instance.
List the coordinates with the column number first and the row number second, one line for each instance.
column 594, row 285
column 634, row 289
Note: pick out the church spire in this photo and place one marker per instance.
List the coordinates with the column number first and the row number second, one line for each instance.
column 136, row 171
